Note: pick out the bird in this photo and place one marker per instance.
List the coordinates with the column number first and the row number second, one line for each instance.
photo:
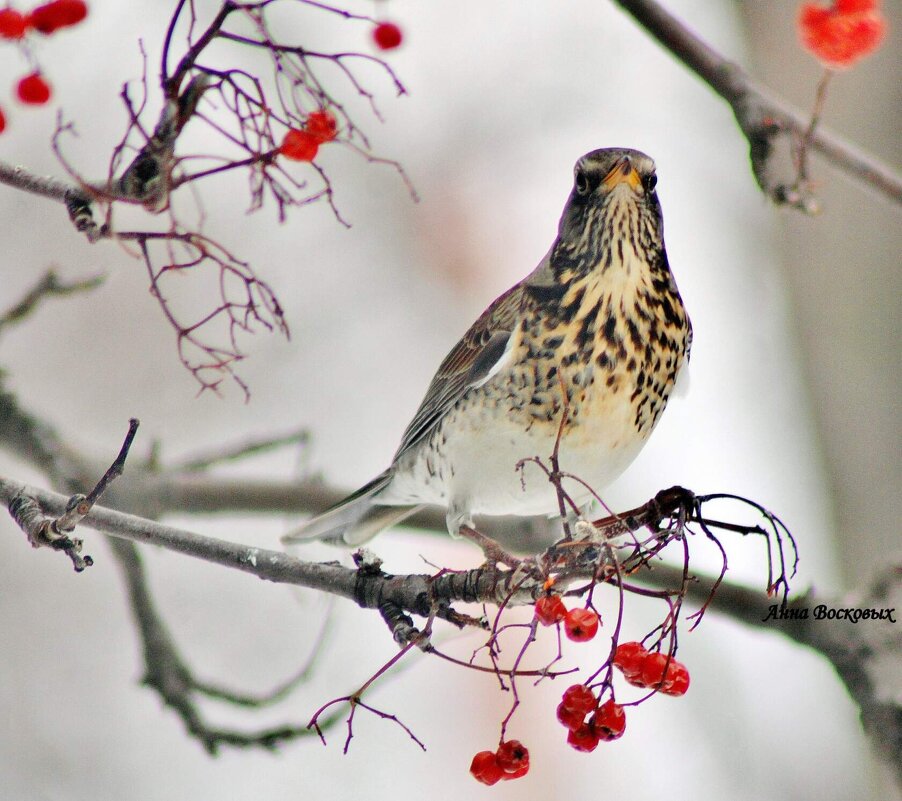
column 578, row 360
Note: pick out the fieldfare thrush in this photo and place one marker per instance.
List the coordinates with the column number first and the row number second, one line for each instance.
column 599, row 322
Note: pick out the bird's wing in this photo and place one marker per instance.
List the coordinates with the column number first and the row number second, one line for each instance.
column 480, row 354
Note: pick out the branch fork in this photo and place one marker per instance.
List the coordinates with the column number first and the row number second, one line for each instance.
column 54, row 532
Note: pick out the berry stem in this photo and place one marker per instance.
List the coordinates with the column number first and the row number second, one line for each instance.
column 808, row 137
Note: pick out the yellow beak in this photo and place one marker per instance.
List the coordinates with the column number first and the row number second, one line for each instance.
column 623, row 173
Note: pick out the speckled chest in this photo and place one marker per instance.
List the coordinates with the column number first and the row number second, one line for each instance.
column 613, row 345
column 614, row 349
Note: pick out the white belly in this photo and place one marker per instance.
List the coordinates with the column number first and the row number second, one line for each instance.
column 474, row 463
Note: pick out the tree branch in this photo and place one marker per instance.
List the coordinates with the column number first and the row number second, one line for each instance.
column 175, row 683
column 44, row 186
column 761, row 115
column 851, row 649
column 367, row 585
column 368, row 589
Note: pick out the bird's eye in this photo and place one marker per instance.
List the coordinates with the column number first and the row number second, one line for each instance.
column 582, row 183
column 650, row 182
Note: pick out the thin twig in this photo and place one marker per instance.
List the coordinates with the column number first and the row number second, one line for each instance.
column 234, row 452
column 49, row 285
column 46, row 531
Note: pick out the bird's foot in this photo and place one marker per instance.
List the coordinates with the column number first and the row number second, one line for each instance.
column 494, row 553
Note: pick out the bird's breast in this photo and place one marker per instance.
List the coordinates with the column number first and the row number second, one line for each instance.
column 596, row 367
column 609, row 353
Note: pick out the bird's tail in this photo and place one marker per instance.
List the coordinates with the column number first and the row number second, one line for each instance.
column 354, row 520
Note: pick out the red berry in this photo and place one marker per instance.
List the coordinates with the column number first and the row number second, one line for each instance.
column 387, row 36
column 321, row 125
column 550, row 609
column 516, row 774
column 58, row 14
column 571, row 719
column 299, row 145
column 485, row 768
column 629, row 657
column 679, row 681
column 584, row 739
column 853, row 6
column 2, row 121
column 609, row 721
column 12, row 24
column 653, row 674
column 581, row 625
column 653, row 670
column 840, row 35
column 635, row 679
column 579, row 698
column 33, row 89
column 513, row 758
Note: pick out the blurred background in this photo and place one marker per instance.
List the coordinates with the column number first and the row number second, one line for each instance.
column 793, row 401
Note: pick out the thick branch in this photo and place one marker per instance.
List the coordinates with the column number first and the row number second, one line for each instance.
column 760, row 114
column 412, row 593
column 416, row 593
column 20, row 178
column 270, row 565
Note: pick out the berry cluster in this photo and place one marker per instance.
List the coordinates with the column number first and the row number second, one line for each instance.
column 588, row 719
column 840, row 35
column 510, row 761
column 45, row 19
column 303, row 144
column 607, row 721
column 651, row 669
column 580, row 625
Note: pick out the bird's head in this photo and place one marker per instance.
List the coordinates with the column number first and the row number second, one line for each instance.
column 612, row 213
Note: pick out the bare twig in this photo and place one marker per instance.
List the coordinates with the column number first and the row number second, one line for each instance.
column 355, row 699
column 165, row 669
column 248, row 112
column 802, row 182
column 234, row 452
column 48, row 286
column 44, row 531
